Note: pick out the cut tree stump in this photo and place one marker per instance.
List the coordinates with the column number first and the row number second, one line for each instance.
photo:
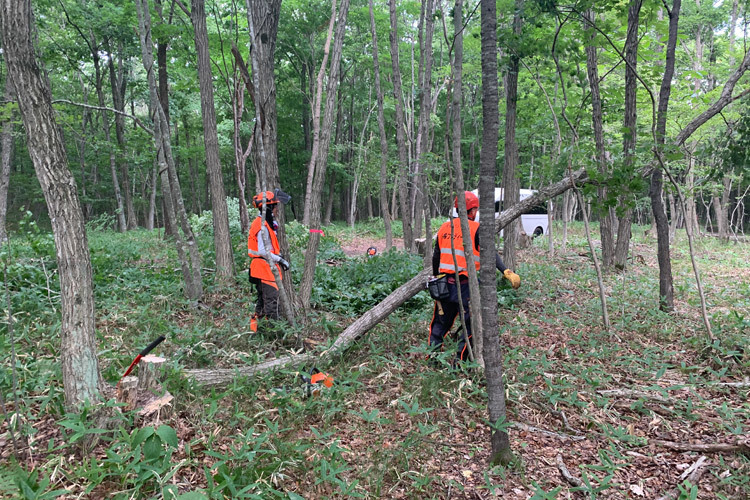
column 356, row 330
column 145, row 391
column 127, row 392
column 149, row 372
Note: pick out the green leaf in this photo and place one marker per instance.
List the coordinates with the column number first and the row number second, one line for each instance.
column 142, row 435
column 193, row 495
column 167, row 435
column 152, row 448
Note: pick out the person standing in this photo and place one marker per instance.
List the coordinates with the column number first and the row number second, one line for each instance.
column 263, row 249
column 446, row 310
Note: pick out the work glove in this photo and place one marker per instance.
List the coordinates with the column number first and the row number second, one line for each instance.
column 284, row 264
column 515, row 280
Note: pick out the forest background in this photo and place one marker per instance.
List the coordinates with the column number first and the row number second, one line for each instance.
column 169, row 125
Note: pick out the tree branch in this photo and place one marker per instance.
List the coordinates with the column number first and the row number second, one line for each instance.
column 104, row 108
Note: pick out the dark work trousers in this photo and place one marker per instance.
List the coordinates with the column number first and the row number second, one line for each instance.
column 267, row 304
column 442, row 323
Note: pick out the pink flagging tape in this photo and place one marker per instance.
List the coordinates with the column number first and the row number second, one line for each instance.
column 317, row 231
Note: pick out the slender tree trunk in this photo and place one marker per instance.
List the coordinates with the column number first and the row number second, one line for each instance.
column 592, row 61
column 322, row 161
column 511, row 193
column 80, row 367
column 630, row 133
column 118, row 84
column 220, row 214
column 6, row 143
column 186, row 245
column 419, row 187
column 400, row 124
column 317, row 104
column 500, row 441
column 383, row 140
column 666, row 287
column 150, row 219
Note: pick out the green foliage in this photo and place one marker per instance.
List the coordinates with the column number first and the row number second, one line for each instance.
column 356, row 287
column 203, row 224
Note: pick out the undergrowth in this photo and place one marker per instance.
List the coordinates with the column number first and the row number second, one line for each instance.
column 395, row 424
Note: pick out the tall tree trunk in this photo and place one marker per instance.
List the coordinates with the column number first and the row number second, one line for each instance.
column 220, row 214
column 383, row 140
column 317, row 104
column 630, row 134
column 666, row 287
column 118, row 84
column 605, row 219
column 187, row 248
column 6, row 144
column 492, row 355
column 322, row 160
column 511, row 193
column 80, row 367
column 98, row 83
column 403, row 157
column 419, row 188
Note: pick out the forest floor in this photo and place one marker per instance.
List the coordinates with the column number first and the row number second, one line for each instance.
column 635, row 412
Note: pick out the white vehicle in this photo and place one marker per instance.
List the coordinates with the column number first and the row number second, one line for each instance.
column 534, row 223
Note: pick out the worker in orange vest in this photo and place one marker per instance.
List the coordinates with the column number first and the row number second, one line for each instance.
column 261, row 276
column 446, row 309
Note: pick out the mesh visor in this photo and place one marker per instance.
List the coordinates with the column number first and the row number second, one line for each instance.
column 282, row 196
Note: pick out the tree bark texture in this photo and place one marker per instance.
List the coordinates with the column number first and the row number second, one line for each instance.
column 630, row 121
column 384, row 212
column 597, row 116
column 220, row 215
column 403, row 156
column 493, row 360
column 80, row 367
column 6, row 153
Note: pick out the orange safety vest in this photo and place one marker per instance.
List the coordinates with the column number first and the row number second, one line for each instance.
column 444, row 243
column 259, row 268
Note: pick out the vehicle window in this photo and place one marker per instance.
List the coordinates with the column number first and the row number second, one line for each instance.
column 497, row 207
column 538, row 210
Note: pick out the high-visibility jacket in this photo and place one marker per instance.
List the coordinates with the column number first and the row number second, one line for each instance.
column 259, row 268
column 444, row 243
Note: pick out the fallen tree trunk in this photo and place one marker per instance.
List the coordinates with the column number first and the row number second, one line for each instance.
column 356, row 330
column 542, row 195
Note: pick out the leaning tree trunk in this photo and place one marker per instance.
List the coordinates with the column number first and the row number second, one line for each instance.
column 6, row 144
column 80, row 367
column 629, row 134
column 403, row 157
column 220, row 215
column 190, row 261
column 383, row 140
column 511, row 193
column 492, row 355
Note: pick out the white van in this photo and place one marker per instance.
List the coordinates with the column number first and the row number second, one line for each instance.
column 534, row 223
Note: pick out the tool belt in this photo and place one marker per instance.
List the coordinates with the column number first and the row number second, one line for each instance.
column 438, row 287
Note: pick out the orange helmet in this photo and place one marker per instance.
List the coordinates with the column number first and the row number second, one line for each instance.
column 271, row 199
column 472, row 201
